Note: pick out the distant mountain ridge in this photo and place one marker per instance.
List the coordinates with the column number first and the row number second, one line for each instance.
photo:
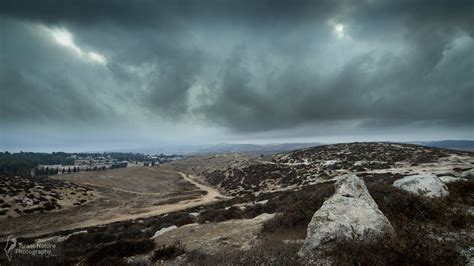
column 224, row 148
column 466, row 145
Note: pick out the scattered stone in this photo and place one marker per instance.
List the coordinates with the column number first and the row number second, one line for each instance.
column 350, row 213
column 428, row 185
column 468, row 173
column 163, row 230
column 450, row 179
column 59, row 239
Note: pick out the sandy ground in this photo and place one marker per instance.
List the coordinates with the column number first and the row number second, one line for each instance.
column 126, row 201
column 212, row 237
column 211, row 196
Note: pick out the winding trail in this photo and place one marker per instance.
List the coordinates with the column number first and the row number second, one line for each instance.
column 211, row 195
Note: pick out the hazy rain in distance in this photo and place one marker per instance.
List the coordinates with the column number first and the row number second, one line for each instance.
column 102, row 74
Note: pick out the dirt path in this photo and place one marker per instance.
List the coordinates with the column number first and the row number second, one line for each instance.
column 123, row 190
column 212, row 195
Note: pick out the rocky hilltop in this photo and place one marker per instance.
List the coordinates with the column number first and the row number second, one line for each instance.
column 319, row 164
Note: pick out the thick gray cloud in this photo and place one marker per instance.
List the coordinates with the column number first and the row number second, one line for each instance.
column 241, row 68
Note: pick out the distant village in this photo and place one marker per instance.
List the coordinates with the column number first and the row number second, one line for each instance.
column 106, row 161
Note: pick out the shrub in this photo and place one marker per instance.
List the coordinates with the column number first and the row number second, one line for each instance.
column 296, row 208
column 461, row 192
column 121, row 249
column 167, row 252
column 268, row 252
column 399, row 205
column 220, row 215
column 412, row 245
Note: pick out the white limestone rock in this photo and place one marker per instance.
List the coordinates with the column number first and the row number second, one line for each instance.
column 450, row 179
column 468, row 173
column 163, row 230
column 59, row 239
column 428, row 185
column 351, row 213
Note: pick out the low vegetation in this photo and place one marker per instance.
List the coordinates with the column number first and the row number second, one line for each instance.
column 427, row 231
column 268, row 252
column 121, row 249
column 167, row 252
column 420, row 225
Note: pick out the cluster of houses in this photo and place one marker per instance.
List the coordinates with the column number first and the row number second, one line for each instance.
column 81, row 164
column 94, row 162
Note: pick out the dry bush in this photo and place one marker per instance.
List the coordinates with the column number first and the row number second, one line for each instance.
column 219, row 215
column 412, row 245
column 461, row 192
column 296, row 208
column 121, row 249
column 167, row 252
column 399, row 205
column 268, row 252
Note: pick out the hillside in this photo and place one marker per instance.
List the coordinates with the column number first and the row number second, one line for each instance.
column 266, row 213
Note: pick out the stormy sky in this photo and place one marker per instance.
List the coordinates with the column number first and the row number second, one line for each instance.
column 109, row 74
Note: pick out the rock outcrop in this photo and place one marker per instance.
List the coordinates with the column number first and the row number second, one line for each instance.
column 468, row 173
column 351, row 213
column 163, row 230
column 451, row 179
column 428, row 185
column 59, row 239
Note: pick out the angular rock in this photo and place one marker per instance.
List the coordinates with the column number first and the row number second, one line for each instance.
column 59, row 239
column 468, row 173
column 351, row 213
column 163, row 230
column 428, row 185
column 450, row 179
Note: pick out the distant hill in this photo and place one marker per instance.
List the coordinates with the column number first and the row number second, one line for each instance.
column 224, row 148
column 252, row 148
column 466, row 145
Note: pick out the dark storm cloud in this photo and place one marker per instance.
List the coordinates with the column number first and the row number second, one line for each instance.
column 248, row 66
column 40, row 82
column 142, row 12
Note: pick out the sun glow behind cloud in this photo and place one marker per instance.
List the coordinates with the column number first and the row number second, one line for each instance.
column 64, row 38
column 339, row 29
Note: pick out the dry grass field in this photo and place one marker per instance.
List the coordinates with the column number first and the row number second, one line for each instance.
column 119, row 194
column 138, row 180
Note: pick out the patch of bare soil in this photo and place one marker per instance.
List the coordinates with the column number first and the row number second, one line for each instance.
column 211, row 238
column 139, row 180
column 142, row 192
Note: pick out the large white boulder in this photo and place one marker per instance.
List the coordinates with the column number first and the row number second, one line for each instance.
column 428, row 185
column 351, row 213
